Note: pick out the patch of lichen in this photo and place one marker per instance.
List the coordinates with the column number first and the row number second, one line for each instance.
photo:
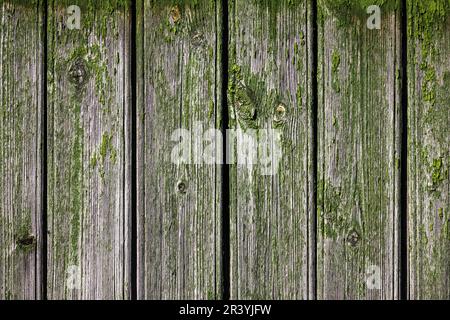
column 328, row 214
column 101, row 27
column 95, row 66
column 427, row 19
column 105, row 150
column 335, row 63
column 242, row 99
column 427, row 16
column 437, row 113
column 438, row 175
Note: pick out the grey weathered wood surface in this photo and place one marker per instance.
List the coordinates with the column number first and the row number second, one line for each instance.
column 274, row 252
column 359, row 114
column 21, row 53
column 178, row 204
column 271, row 216
column 88, row 110
column 429, row 149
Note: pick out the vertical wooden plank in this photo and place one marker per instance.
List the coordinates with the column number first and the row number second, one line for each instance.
column 20, row 138
column 88, row 106
column 178, row 202
column 271, row 218
column 359, row 152
column 429, row 149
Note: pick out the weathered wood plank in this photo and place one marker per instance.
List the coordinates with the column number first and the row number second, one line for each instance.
column 271, row 218
column 429, row 149
column 88, row 109
column 359, row 138
column 20, row 171
column 178, row 203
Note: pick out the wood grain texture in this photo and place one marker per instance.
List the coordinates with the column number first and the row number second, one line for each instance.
column 429, row 149
column 271, row 218
column 178, row 203
column 20, row 171
column 359, row 113
column 88, row 110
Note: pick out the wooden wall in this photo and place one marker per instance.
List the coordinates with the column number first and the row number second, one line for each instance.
column 92, row 205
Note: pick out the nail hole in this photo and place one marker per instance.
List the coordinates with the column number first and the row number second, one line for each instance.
column 181, row 187
column 77, row 72
column 198, row 40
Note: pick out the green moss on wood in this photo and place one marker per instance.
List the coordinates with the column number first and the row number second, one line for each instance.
column 88, row 6
column 335, row 63
column 25, row 240
column 439, row 174
column 23, row 3
column 93, row 161
column 346, row 9
column 76, row 184
column 106, row 150
column 427, row 19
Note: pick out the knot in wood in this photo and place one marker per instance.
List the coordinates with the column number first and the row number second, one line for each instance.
column 175, row 14
column 78, row 72
column 198, row 40
column 280, row 115
column 244, row 104
column 353, row 238
column 26, row 241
